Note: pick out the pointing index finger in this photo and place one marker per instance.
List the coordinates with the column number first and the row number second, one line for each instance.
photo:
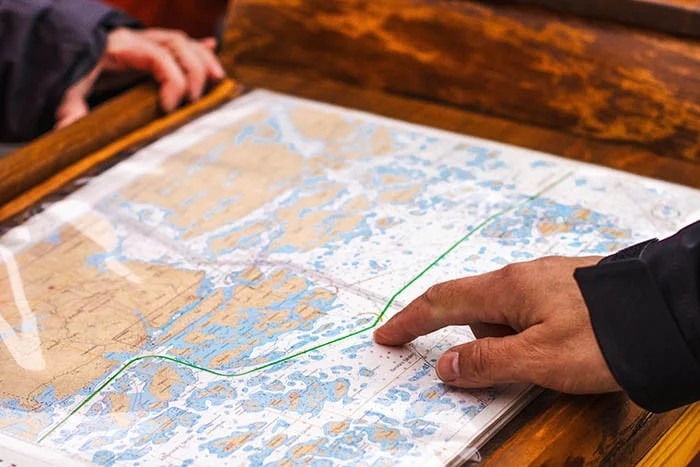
column 456, row 302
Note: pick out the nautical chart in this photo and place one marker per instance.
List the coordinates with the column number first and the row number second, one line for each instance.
column 211, row 300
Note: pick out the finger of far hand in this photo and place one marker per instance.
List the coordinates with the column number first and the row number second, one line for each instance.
column 190, row 62
column 173, row 83
column 197, row 60
column 188, row 57
column 214, row 69
column 209, row 42
column 457, row 302
column 129, row 50
column 72, row 108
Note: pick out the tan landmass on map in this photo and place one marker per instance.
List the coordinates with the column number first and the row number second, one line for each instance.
column 83, row 314
column 242, row 179
column 83, row 322
column 232, row 443
column 261, row 295
column 322, row 125
column 162, row 381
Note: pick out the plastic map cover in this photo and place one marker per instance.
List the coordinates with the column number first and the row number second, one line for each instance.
column 211, row 299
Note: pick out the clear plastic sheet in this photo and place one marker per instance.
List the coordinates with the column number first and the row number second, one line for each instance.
column 210, row 299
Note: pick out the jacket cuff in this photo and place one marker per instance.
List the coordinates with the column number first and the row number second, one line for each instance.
column 637, row 334
column 98, row 21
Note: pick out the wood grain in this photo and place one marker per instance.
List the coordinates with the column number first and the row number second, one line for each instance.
column 48, row 155
column 583, row 430
column 599, row 80
column 679, row 17
column 680, row 444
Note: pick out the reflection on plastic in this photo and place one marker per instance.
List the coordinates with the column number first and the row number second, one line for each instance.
column 469, row 455
column 24, row 344
column 98, row 229
column 24, row 348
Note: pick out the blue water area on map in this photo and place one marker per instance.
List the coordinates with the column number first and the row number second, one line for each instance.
column 315, row 393
column 520, row 227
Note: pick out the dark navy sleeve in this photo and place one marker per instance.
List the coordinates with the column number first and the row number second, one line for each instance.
column 45, row 47
column 644, row 304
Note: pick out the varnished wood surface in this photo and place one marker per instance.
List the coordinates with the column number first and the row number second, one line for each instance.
column 596, row 79
column 579, row 430
column 679, row 445
column 679, row 17
column 555, row 429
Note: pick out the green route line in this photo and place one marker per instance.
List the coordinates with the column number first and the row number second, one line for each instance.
column 393, row 298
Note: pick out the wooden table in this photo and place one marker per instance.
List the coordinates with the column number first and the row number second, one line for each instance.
column 556, row 429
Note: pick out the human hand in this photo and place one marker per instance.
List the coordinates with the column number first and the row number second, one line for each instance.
column 182, row 66
column 539, row 315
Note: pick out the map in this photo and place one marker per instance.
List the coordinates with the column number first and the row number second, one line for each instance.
column 211, row 299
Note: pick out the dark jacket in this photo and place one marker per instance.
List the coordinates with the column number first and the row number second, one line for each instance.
column 644, row 304
column 45, row 47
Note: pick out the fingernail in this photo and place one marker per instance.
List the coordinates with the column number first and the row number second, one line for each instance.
column 448, row 366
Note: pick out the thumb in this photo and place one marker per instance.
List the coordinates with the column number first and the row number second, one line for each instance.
column 73, row 105
column 72, row 108
column 484, row 362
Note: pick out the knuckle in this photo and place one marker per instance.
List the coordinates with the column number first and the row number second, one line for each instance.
column 409, row 328
column 478, row 359
column 400, row 325
column 433, row 294
column 440, row 293
column 178, row 36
